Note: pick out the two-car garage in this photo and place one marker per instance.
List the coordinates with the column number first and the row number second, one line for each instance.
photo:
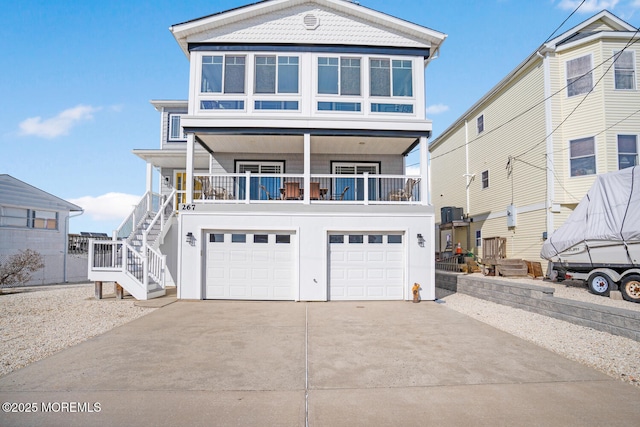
column 264, row 265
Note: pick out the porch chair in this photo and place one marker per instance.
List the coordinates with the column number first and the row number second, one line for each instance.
column 263, row 188
column 341, row 195
column 314, row 191
column 206, row 191
column 405, row 193
column 291, row 191
column 221, row 193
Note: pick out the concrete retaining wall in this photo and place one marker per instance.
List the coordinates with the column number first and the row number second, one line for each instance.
column 540, row 299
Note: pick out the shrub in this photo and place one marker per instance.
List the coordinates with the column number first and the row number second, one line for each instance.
column 18, row 268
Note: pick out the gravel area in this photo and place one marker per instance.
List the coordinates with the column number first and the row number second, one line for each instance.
column 613, row 355
column 42, row 320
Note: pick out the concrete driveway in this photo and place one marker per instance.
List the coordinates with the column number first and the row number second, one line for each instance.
column 221, row 363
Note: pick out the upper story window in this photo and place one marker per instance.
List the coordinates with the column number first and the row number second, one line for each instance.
column 582, row 156
column 223, row 74
column 627, row 151
column 624, row 70
column 390, row 77
column 175, row 131
column 485, row 179
column 579, row 76
column 339, row 76
column 480, row 123
column 276, row 74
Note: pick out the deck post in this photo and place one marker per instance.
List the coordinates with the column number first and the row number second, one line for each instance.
column 98, row 290
column 119, row 291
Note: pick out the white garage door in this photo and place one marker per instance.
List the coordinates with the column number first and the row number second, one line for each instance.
column 366, row 266
column 250, row 265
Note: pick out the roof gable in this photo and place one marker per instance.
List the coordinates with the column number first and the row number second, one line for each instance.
column 604, row 21
column 14, row 192
column 324, row 22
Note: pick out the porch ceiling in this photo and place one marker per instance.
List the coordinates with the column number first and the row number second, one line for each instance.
column 295, row 144
column 176, row 159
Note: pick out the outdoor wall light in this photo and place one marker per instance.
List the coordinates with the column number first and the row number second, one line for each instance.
column 190, row 238
column 420, row 240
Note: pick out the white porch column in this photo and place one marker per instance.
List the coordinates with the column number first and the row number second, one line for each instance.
column 149, row 186
column 424, row 171
column 189, row 184
column 307, row 168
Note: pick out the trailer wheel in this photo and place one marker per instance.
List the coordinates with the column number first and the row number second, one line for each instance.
column 631, row 288
column 599, row 284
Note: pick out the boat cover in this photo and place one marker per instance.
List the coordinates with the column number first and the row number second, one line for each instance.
column 610, row 211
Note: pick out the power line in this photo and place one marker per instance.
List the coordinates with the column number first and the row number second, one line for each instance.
column 563, row 22
column 488, row 132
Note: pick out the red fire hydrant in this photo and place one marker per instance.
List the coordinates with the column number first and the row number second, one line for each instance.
column 416, row 292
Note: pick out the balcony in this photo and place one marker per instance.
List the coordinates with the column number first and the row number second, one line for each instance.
column 292, row 188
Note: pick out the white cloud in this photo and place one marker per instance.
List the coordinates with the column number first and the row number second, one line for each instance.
column 58, row 125
column 437, row 109
column 108, row 206
column 589, row 6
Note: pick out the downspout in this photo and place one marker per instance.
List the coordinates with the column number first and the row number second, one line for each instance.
column 548, row 118
column 66, row 245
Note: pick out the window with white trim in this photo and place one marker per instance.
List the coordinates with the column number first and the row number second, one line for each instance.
column 579, row 75
column 582, row 153
column 276, row 74
column 480, row 123
column 624, row 70
column 390, row 77
column 478, row 238
column 627, row 151
column 28, row 218
column 339, row 76
column 223, row 74
column 175, row 131
column 485, row 179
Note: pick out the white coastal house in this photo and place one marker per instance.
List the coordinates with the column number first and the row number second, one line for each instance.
column 31, row 218
column 283, row 174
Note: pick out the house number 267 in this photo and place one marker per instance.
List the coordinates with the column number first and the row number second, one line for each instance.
column 191, row 207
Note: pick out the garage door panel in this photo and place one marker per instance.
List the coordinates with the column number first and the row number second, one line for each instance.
column 237, row 256
column 355, row 256
column 258, row 267
column 367, row 268
column 377, row 256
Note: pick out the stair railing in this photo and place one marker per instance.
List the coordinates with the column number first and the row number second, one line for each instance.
column 137, row 214
column 160, row 217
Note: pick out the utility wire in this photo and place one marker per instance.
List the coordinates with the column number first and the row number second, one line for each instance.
column 488, row 132
column 563, row 22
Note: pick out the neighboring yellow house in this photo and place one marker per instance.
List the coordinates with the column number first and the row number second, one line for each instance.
column 520, row 159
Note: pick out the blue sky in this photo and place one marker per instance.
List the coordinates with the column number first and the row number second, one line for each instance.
column 79, row 75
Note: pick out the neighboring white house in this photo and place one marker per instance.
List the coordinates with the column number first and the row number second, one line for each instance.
column 283, row 174
column 521, row 158
column 34, row 219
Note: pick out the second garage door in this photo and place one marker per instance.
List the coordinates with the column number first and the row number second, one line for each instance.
column 250, row 265
column 366, row 266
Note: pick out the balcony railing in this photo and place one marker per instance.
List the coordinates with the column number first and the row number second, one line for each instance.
column 323, row 188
